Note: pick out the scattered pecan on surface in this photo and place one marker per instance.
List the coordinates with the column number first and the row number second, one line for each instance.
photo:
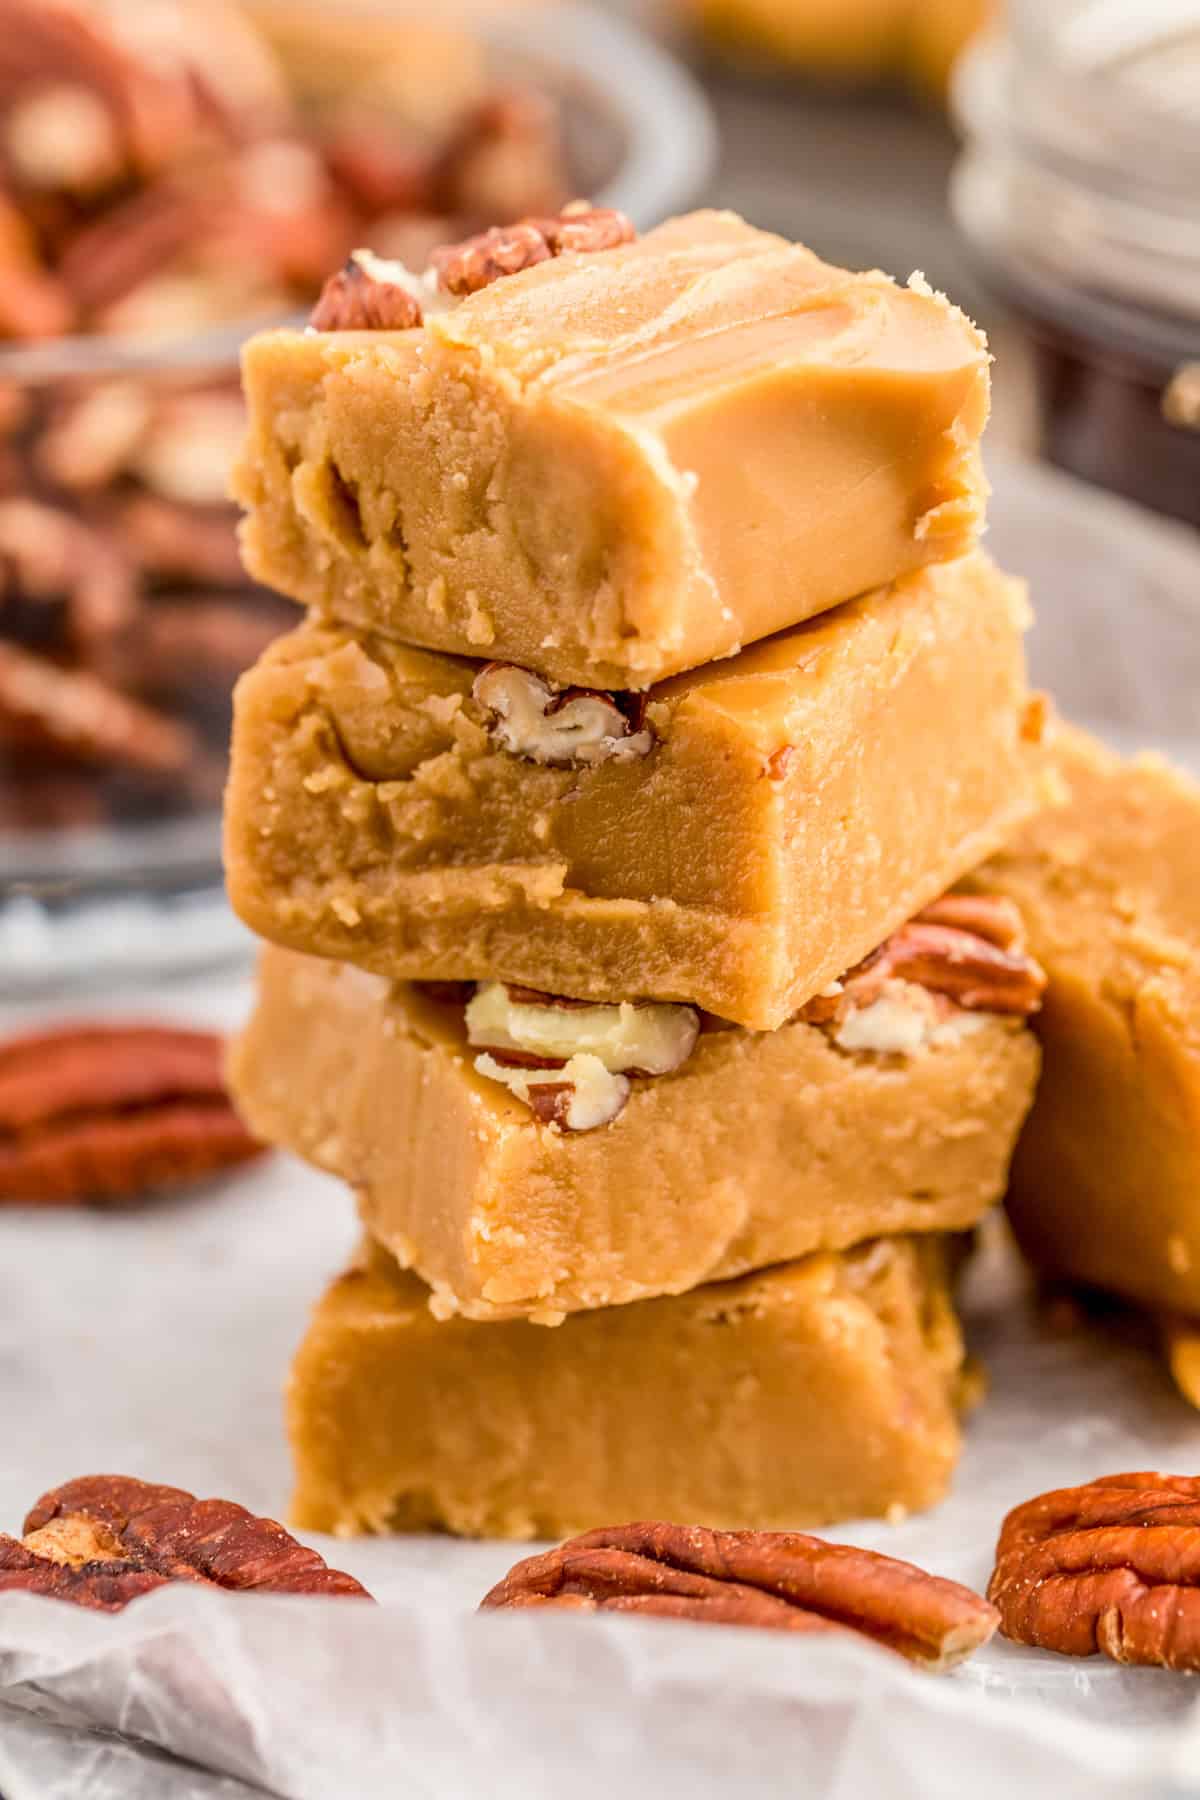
column 102, row 1540
column 108, row 1112
column 782, row 1580
column 367, row 294
column 1112, row 1567
column 475, row 263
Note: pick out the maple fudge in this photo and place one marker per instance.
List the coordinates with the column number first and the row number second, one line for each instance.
column 470, row 1168
column 613, row 466
column 764, row 825
column 1106, row 1181
column 819, row 1390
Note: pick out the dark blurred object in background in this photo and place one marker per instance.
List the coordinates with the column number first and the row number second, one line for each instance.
column 843, row 42
column 1079, row 193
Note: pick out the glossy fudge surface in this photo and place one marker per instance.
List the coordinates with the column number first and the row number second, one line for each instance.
column 795, row 805
column 1106, row 1182
column 611, row 467
column 820, row 1390
column 760, row 1147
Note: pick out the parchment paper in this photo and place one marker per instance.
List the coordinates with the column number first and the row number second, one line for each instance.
column 155, row 1343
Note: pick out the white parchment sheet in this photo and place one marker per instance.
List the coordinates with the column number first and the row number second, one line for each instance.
column 155, row 1343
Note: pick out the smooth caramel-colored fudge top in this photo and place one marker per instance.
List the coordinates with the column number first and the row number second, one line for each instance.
column 1106, row 1180
column 611, row 467
column 700, row 301
column 800, row 801
column 505, row 1216
column 819, row 1390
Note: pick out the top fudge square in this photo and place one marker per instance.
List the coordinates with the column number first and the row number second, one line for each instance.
column 613, row 466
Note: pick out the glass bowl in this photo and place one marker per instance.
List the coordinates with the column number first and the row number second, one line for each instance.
column 1076, row 193
column 118, row 566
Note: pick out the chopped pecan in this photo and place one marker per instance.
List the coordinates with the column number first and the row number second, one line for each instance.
column 645, row 1037
column 209, row 638
column 368, row 294
column 102, row 1540
column 584, row 726
column 72, row 713
column 33, row 303
column 63, row 136
column 47, row 555
column 109, row 1112
column 475, row 263
column 192, row 543
column 577, row 1093
column 782, row 1580
column 973, row 971
column 503, row 159
column 91, row 436
column 117, row 252
column 1112, row 1566
column 189, row 446
column 383, row 171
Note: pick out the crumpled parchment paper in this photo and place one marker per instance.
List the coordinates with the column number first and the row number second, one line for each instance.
column 155, row 1343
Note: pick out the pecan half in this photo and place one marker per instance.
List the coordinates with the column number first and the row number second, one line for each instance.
column 1112, row 1566
column 72, row 713
column 102, row 1540
column 475, row 263
column 368, row 294
column 107, row 1113
column 782, row 1580
column 976, row 972
column 988, row 916
column 560, row 727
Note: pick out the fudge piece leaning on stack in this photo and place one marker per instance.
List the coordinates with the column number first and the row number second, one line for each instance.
column 1106, row 1180
column 618, row 975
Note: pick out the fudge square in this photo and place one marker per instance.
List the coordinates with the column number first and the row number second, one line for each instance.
column 511, row 1199
column 613, row 466
column 820, row 1390
column 763, row 825
column 1106, row 1181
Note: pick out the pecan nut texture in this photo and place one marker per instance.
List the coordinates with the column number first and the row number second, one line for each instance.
column 144, row 178
column 108, row 1113
column 780, row 1580
column 368, row 294
column 570, row 1060
column 1111, row 1567
column 560, row 727
column 466, row 267
column 103, row 1540
column 965, row 950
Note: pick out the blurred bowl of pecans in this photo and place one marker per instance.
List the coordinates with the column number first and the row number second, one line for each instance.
column 174, row 173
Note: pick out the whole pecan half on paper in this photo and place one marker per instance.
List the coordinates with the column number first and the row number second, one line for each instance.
column 102, row 1540
column 1110, row 1567
column 780, row 1580
column 110, row 1112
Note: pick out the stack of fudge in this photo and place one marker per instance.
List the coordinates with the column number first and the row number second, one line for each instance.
column 603, row 816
